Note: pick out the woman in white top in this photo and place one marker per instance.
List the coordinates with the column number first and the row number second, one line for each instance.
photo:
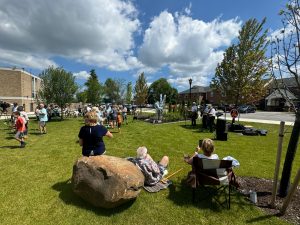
column 207, row 147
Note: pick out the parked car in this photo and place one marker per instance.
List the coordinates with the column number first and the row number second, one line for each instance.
column 247, row 109
column 226, row 108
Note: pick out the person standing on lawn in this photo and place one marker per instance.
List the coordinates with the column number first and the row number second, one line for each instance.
column 91, row 136
column 20, row 128
column 25, row 116
column 119, row 121
column 43, row 118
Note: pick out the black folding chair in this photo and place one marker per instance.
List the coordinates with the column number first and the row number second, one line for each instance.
column 215, row 177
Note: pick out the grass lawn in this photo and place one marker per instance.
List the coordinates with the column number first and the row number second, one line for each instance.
column 35, row 188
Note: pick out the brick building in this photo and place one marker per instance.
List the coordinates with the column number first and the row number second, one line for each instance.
column 199, row 94
column 17, row 85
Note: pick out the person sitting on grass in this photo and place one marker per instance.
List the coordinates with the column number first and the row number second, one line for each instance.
column 91, row 135
column 152, row 171
column 207, row 147
column 20, row 128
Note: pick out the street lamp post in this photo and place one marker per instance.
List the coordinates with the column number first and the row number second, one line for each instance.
column 190, row 82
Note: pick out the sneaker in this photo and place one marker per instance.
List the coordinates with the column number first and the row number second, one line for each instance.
column 165, row 173
column 23, row 144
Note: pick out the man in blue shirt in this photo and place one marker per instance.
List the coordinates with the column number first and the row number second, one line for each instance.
column 43, row 118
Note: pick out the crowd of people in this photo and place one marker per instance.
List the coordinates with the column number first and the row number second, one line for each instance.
column 98, row 120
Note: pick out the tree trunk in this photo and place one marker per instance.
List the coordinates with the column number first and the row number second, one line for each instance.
column 289, row 158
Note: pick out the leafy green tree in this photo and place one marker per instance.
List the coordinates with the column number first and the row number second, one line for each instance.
column 112, row 90
column 58, row 86
column 285, row 58
column 128, row 97
column 81, row 97
column 162, row 86
column 141, row 90
column 94, row 89
column 239, row 77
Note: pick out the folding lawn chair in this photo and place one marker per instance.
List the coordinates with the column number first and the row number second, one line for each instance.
column 215, row 177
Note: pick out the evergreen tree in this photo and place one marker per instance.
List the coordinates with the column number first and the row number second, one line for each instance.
column 129, row 92
column 94, row 89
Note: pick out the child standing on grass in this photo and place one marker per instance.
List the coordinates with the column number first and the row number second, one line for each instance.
column 20, row 128
column 119, row 121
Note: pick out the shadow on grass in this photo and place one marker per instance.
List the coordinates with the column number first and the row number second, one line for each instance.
column 181, row 194
column 68, row 196
column 9, row 138
column 10, row 147
column 261, row 218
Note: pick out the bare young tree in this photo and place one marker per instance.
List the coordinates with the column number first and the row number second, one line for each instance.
column 285, row 61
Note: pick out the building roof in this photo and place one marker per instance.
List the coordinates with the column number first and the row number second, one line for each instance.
column 288, row 82
column 279, row 93
column 20, row 70
column 196, row 89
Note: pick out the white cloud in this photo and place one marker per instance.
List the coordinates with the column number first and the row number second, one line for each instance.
column 189, row 47
column 94, row 32
column 83, row 75
column 23, row 59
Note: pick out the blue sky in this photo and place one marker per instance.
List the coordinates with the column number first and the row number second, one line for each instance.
column 174, row 39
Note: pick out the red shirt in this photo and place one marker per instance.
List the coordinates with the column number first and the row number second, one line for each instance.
column 20, row 124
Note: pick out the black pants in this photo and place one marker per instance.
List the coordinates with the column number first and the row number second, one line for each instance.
column 194, row 117
column 204, row 121
column 211, row 123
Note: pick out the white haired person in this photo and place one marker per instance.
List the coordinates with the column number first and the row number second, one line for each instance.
column 207, row 147
column 152, row 171
column 91, row 135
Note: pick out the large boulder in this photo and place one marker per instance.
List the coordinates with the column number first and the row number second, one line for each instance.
column 106, row 181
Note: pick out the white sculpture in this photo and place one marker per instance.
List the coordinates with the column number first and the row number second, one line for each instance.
column 159, row 106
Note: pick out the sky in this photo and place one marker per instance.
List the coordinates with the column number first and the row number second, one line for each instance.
column 173, row 39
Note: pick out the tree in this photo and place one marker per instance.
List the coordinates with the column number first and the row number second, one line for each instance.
column 81, row 97
column 239, row 76
column 58, row 86
column 161, row 86
column 112, row 90
column 285, row 60
column 94, row 89
column 141, row 90
column 128, row 97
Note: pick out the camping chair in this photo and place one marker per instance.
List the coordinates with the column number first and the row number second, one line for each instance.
column 208, row 173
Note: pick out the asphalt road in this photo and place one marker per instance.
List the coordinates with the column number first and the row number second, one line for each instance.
column 261, row 116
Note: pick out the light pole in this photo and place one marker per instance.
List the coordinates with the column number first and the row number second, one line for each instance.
column 190, row 82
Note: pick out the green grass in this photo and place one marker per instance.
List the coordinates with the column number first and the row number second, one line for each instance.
column 34, row 187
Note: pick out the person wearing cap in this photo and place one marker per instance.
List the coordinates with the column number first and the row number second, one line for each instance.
column 194, row 113
column 91, row 136
column 152, row 171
